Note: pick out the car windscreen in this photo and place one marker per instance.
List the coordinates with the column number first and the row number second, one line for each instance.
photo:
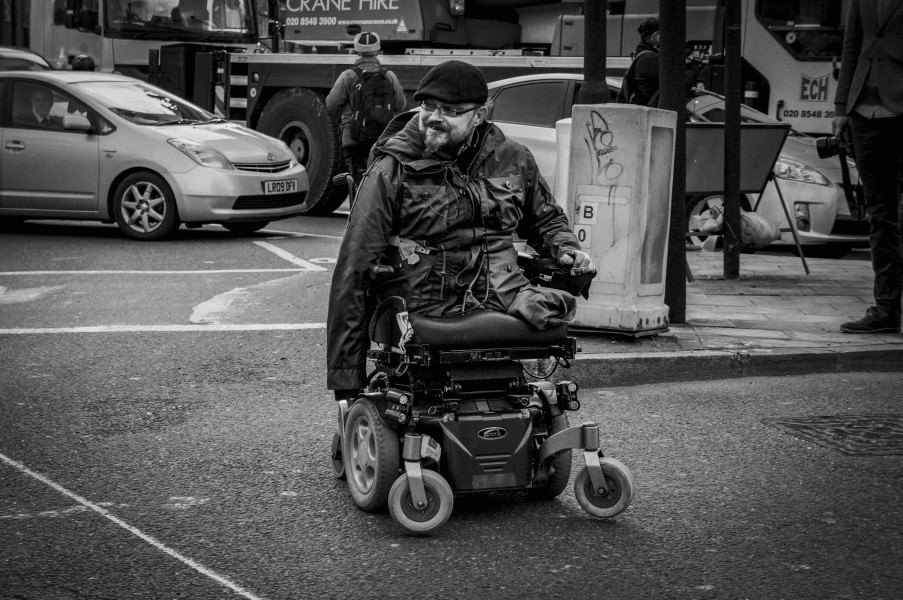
column 705, row 106
column 144, row 104
column 20, row 63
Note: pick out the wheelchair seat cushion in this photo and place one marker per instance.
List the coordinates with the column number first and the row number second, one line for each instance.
column 483, row 329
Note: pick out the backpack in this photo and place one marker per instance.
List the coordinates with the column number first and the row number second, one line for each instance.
column 371, row 105
column 627, row 95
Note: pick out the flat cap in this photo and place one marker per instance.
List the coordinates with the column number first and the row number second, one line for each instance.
column 453, row 82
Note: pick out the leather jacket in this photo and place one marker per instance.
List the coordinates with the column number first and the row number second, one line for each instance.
column 448, row 228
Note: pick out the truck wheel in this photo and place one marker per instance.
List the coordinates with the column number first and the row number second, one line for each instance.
column 298, row 117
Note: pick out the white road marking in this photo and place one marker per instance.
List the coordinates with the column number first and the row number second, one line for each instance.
column 308, row 266
column 213, row 311
column 206, row 272
column 165, row 328
column 295, row 234
column 25, row 295
column 133, row 530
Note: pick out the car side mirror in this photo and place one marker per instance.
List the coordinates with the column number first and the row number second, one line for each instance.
column 76, row 123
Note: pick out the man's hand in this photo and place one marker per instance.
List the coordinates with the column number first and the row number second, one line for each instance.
column 838, row 124
column 577, row 260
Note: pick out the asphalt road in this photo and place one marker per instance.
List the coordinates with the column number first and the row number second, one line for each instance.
column 155, row 445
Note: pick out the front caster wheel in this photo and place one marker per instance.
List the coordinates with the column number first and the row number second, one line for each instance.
column 338, row 465
column 620, row 485
column 370, row 454
column 439, row 503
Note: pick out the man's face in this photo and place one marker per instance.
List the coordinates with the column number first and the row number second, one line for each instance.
column 42, row 102
column 446, row 132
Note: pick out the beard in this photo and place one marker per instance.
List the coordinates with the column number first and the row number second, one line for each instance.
column 438, row 136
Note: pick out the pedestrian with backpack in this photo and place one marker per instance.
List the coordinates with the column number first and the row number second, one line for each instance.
column 640, row 83
column 365, row 97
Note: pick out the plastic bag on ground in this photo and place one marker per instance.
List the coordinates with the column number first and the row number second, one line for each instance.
column 757, row 231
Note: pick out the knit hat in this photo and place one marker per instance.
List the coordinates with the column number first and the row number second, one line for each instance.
column 366, row 41
column 83, row 62
column 648, row 26
column 453, row 82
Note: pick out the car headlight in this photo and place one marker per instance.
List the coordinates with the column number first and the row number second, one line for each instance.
column 797, row 171
column 294, row 159
column 201, row 154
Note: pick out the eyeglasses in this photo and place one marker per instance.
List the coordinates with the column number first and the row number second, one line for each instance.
column 445, row 111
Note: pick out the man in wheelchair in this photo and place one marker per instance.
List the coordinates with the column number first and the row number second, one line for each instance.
column 439, row 205
column 430, row 242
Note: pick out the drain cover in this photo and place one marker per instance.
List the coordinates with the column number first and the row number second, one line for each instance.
column 854, row 435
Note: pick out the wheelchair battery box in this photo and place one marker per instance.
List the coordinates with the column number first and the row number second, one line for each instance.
column 487, row 451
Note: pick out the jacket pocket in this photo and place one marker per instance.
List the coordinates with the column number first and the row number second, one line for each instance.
column 502, row 209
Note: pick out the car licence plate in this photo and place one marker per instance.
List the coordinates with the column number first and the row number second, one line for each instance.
column 283, row 186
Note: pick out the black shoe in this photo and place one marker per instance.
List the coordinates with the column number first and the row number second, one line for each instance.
column 876, row 320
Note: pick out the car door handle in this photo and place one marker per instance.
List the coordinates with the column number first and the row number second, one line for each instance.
column 14, row 145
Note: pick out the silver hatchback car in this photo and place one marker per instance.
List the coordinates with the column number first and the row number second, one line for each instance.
column 100, row 146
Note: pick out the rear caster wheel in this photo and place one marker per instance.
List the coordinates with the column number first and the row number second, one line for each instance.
column 415, row 519
column 620, row 485
column 370, row 455
column 338, row 465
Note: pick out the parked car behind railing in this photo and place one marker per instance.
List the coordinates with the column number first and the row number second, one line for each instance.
column 526, row 109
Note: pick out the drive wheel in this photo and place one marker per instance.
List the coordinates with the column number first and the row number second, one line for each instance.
column 338, row 465
column 560, row 471
column 620, row 490
column 245, row 228
column 298, row 117
column 439, row 503
column 371, row 456
column 144, row 207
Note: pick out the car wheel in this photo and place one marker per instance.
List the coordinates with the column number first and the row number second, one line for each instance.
column 699, row 210
column 245, row 228
column 299, row 118
column 144, row 207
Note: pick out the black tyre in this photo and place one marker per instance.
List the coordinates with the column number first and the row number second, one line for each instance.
column 245, row 228
column 560, row 471
column 371, row 456
column 335, row 457
column 299, row 118
column 421, row 519
column 144, row 207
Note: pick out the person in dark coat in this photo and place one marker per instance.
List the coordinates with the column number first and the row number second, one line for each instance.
column 869, row 100
column 640, row 83
column 338, row 101
column 442, row 201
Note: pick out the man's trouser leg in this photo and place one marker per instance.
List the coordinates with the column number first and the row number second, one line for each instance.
column 879, row 155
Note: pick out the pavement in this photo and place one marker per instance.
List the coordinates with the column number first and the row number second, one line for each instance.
column 775, row 319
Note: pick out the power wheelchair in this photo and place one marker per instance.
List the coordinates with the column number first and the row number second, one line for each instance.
column 449, row 409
